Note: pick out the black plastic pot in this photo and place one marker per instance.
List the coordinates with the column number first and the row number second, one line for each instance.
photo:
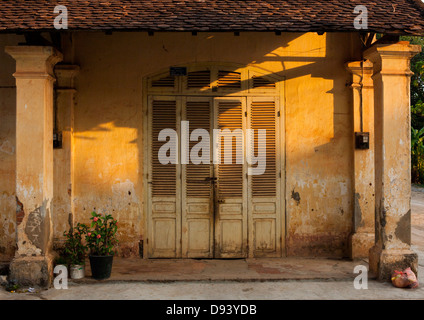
column 101, row 266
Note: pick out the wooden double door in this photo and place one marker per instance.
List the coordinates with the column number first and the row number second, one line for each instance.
column 208, row 201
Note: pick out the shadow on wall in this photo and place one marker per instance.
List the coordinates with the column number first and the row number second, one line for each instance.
column 109, row 123
column 318, row 103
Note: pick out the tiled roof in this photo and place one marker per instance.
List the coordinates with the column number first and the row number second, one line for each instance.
column 384, row 16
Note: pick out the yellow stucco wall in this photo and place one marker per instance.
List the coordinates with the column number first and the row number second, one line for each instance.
column 108, row 127
column 7, row 148
column 108, row 123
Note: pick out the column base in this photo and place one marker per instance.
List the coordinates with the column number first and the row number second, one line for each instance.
column 360, row 244
column 32, row 271
column 382, row 263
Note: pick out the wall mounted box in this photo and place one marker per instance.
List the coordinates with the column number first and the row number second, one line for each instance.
column 362, row 140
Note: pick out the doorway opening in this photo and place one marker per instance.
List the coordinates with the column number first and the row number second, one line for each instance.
column 215, row 208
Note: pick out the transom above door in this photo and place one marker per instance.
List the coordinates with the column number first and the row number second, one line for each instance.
column 208, row 204
column 215, row 80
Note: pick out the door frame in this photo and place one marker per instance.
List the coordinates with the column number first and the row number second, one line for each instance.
column 178, row 90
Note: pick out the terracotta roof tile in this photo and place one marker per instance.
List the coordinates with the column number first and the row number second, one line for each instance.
column 388, row 16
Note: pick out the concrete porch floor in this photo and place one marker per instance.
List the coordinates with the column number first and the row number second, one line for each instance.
column 300, row 278
column 250, row 270
column 266, row 269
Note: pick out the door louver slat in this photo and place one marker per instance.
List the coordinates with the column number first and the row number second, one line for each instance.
column 163, row 176
column 199, row 79
column 230, row 176
column 228, row 79
column 263, row 117
column 260, row 82
column 198, row 115
column 166, row 82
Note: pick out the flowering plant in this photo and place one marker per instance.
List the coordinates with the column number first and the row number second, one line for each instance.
column 74, row 250
column 102, row 237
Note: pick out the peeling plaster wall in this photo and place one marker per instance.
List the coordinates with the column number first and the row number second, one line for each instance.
column 319, row 151
column 319, row 165
column 108, row 127
column 7, row 149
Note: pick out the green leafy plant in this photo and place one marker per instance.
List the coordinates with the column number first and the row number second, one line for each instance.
column 417, row 112
column 61, row 256
column 74, row 249
column 101, row 238
column 417, row 155
column 60, row 260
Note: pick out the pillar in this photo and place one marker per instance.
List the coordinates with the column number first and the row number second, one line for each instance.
column 362, row 237
column 391, row 77
column 32, row 264
column 63, row 205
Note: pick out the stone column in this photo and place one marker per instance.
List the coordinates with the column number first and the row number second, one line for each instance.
column 392, row 249
column 362, row 237
column 32, row 264
column 63, row 206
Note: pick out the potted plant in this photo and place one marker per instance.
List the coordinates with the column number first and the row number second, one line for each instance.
column 75, row 250
column 101, row 239
column 60, row 259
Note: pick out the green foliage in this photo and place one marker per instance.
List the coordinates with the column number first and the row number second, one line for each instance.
column 417, row 155
column 101, row 238
column 417, row 112
column 12, row 287
column 61, row 259
column 417, row 64
column 75, row 250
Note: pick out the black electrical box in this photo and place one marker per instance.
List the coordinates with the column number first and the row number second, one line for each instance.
column 57, row 140
column 178, row 71
column 362, row 140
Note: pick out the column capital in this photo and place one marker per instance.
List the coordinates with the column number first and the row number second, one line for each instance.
column 359, row 67
column 65, row 74
column 361, row 71
column 392, row 59
column 34, row 61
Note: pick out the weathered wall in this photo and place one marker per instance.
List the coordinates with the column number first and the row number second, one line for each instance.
column 108, row 127
column 7, row 149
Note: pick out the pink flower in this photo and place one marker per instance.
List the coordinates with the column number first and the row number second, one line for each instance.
column 98, row 236
column 89, row 234
column 95, row 219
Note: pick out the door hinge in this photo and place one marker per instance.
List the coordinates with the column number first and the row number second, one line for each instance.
column 278, row 113
column 245, row 113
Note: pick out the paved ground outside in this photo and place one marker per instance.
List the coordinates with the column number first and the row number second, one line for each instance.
column 255, row 279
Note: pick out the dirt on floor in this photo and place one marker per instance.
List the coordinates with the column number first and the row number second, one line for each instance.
column 256, row 279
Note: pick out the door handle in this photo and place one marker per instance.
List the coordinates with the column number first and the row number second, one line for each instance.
column 221, row 201
column 212, row 179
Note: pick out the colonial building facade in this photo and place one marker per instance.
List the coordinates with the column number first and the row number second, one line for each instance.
column 82, row 110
